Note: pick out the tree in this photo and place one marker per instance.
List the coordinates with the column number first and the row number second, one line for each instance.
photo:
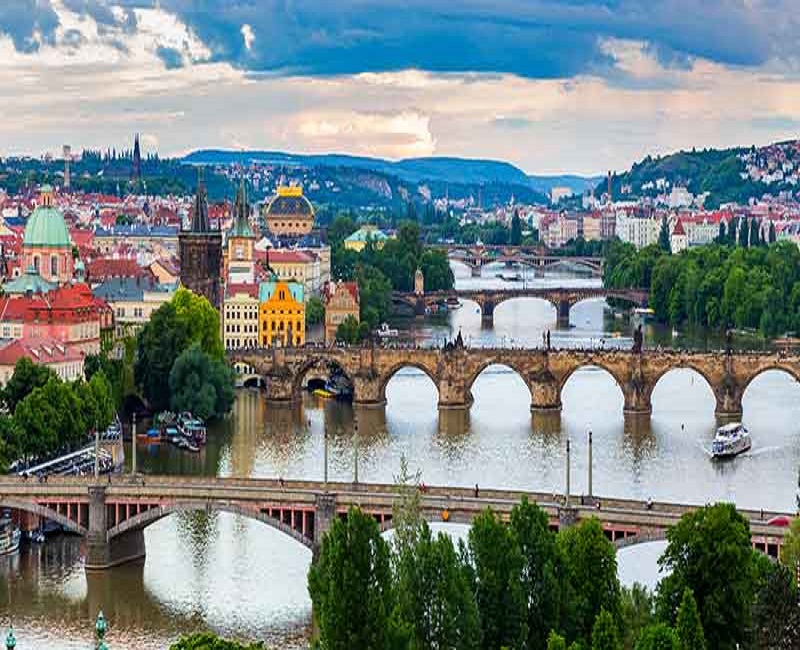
column 497, row 562
column 663, row 236
column 315, row 311
column 591, row 569
column 555, row 641
column 772, row 236
column 340, row 229
column 604, row 633
column 755, row 239
column 201, row 321
column 542, row 571
column 744, row 234
column 201, row 384
column 658, row 637
column 776, row 617
column 351, row 332
column 96, row 402
column 515, row 238
column 49, row 418
column 709, row 551
column 209, row 641
column 790, row 551
column 27, row 376
column 689, row 628
column 637, row 610
column 10, row 441
column 722, row 237
column 350, row 586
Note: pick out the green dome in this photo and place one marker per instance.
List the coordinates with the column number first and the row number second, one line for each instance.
column 46, row 227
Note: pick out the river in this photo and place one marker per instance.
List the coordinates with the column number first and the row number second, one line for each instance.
column 241, row 578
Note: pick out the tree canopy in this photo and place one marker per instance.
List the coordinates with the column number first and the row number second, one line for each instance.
column 201, row 384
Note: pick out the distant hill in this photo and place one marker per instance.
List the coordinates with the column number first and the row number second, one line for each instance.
column 459, row 171
column 727, row 175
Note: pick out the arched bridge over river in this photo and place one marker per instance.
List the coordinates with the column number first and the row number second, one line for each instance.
column 563, row 299
column 545, row 372
column 476, row 257
column 113, row 514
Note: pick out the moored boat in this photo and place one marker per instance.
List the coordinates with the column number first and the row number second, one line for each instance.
column 192, row 428
column 731, row 440
column 9, row 536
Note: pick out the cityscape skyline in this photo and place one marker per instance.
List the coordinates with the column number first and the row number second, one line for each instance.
column 576, row 87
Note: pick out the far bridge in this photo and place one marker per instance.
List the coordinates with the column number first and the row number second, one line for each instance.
column 112, row 514
column 476, row 257
column 563, row 299
column 454, row 369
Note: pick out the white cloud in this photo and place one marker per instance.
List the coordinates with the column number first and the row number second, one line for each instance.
column 248, row 35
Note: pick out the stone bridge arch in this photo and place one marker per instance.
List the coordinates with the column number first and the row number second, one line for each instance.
column 144, row 519
column 685, row 364
column 47, row 512
column 784, row 366
column 624, row 377
column 500, row 360
column 387, row 374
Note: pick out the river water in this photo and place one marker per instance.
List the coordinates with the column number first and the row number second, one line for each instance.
column 241, row 578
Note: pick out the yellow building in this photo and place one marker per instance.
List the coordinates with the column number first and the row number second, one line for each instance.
column 282, row 314
column 289, row 213
column 240, row 311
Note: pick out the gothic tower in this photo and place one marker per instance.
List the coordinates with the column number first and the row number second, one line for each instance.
column 137, row 159
column 201, row 250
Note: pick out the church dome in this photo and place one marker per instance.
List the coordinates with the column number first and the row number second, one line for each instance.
column 290, row 201
column 46, row 227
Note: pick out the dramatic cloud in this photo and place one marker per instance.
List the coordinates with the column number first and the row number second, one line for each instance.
column 574, row 85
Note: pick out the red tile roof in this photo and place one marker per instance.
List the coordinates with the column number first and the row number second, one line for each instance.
column 103, row 268
column 249, row 288
column 678, row 229
column 42, row 350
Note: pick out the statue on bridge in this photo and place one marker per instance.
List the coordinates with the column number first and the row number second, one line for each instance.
column 637, row 339
column 457, row 344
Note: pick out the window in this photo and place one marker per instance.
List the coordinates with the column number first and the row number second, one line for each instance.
column 36, row 262
column 53, row 266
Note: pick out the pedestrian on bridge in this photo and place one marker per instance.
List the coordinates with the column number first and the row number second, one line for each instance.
column 476, row 491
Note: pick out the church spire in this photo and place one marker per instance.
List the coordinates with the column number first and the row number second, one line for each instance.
column 200, row 221
column 241, row 213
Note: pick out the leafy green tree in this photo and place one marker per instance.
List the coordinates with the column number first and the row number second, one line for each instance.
column 27, row 376
column 776, row 616
column 543, row 583
column 515, row 238
column 772, row 236
column 96, row 402
column 201, row 384
column 755, row 239
column 351, row 332
column 11, row 441
column 315, row 311
column 790, row 551
column 638, row 609
column 663, row 236
column 375, row 292
column 497, row 562
column 689, row 627
column 744, row 234
column 209, row 641
column 350, row 586
column 555, row 641
column 436, row 269
column 49, row 417
column 591, row 569
column 604, row 633
column 722, row 237
column 658, row 637
column 340, row 229
column 709, row 552
column 201, row 321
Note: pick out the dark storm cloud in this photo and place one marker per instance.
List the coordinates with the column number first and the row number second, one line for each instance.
column 531, row 38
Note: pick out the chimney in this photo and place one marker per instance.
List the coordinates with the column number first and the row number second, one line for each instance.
column 610, row 195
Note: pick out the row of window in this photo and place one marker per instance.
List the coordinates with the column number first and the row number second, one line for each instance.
column 138, row 312
column 235, row 328
column 280, row 341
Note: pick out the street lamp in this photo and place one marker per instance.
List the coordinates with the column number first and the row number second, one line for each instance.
column 11, row 640
column 100, row 628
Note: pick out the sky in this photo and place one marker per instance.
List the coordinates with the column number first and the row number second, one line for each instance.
column 576, row 86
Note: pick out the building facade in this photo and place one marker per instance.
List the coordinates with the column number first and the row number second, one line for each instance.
column 282, row 314
column 64, row 360
column 240, row 241
column 341, row 300
column 240, row 316
column 297, row 266
column 201, row 252
column 133, row 301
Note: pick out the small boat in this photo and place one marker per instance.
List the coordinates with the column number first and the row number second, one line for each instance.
column 9, row 536
column 192, row 428
column 731, row 440
column 384, row 331
column 511, row 277
column 323, row 392
column 152, row 436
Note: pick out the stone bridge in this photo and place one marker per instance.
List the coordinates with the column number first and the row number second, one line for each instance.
column 545, row 372
column 476, row 257
column 113, row 513
column 563, row 299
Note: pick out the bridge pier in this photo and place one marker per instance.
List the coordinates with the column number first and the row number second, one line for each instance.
column 475, row 271
column 729, row 401
column 487, row 311
column 102, row 553
column 324, row 516
column 545, row 395
column 562, row 309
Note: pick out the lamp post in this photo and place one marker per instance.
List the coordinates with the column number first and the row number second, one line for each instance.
column 355, row 432
column 11, row 640
column 325, row 455
column 96, row 450
column 100, row 628
column 590, row 463
column 566, row 502
column 133, row 445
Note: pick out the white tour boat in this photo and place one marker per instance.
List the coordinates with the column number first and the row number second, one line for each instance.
column 731, row 440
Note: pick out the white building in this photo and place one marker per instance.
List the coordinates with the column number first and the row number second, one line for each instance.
column 637, row 230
